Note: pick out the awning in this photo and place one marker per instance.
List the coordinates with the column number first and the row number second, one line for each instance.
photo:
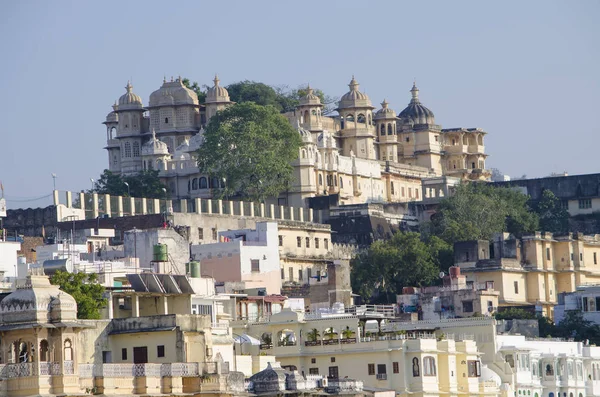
column 247, row 339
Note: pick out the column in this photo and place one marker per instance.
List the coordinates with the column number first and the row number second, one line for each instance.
column 120, row 206
column 241, row 208
column 230, row 207
column 262, row 210
column 156, row 206
column 95, row 205
column 183, row 203
column 169, row 206
column 209, row 206
column 81, row 200
column 252, row 210
column 220, row 204
column 135, row 306
column 281, row 212
column 163, row 304
column 69, row 199
column 144, row 206
column 272, row 207
column 107, row 207
column 301, row 214
column 291, row 213
column 132, row 205
column 198, row 206
column 55, row 196
column 311, row 215
column 110, row 306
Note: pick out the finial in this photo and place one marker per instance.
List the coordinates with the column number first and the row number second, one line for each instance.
column 128, row 87
column 384, row 104
column 216, row 80
column 153, row 134
column 353, row 84
column 415, row 92
column 164, row 78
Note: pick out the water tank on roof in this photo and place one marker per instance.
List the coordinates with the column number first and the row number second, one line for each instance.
column 160, row 252
column 51, row 266
column 194, row 269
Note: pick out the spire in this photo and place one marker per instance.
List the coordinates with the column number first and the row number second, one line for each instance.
column 164, row 78
column 415, row 92
column 353, row 84
column 128, row 87
column 384, row 104
column 216, row 80
column 153, row 134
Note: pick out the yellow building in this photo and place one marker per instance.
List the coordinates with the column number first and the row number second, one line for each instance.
column 416, row 363
column 533, row 270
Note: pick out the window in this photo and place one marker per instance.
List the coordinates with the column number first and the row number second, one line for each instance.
column 595, row 259
column 313, row 371
column 548, row 253
column 474, row 368
column 309, row 273
column 389, row 129
column 381, row 369
column 124, row 353
column 549, row 370
column 326, row 244
column 280, row 241
column 136, row 149
column 468, row 306
column 195, row 184
column 200, row 233
column 407, row 139
column 282, row 274
column 166, row 120
column 299, row 274
column 291, row 273
column 334, row 373
column 203, row 183
column 415, row 367
column 395, row 367
column 341, row 183
column 429, row 366
column 308, row 242
column 392, row 186
column 581, row 256
column 106, row 357
column 316, row 242
column 516, row 287
column 214, row 233
column 299, row 241
column 436, row 138
column 313, row 360
column 160, row 351
column 371, row 368
column 332, row 359
column 255, row 265
column 564, row 204
column 127, row 149
column 382, row 129
column 467, row 256
column 585, row 204
column 489, row 285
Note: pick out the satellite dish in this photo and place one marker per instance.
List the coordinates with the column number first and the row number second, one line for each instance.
column 442, row 274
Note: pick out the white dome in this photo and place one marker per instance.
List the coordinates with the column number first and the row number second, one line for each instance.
column 154, row 147
column 385, row 112
column 310, row 98
column 488, row 374
column 173, row 93
column 354, row 98
column 217, row 93
column 129, row 100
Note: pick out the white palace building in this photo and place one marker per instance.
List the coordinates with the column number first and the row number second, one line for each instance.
column 361, row 154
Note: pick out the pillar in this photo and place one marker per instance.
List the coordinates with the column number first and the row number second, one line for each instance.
column 107, row 206
column 241, row 208
column 262, row 210
column 183, row 208
column 81, row 200
column 132, row 205
column 198, row 206
column 311, row 215
column 120, row 206
column 163, row 303
column 281, row 212
column 230, row 208
column 135, row 306
column 220, row 204
column 252, row 210
column 55, row 196
column 209, row 206
column 144, row 206
column 69, row 199
column 291, row 213
column 272, row 208
column 301, row 214
column 169, row 208
column 156, row 206
column 95, row 205
column 111, row 303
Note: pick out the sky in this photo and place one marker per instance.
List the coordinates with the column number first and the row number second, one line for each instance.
column 527, row 72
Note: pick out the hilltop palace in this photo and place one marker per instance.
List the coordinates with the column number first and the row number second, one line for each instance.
column 360, row 154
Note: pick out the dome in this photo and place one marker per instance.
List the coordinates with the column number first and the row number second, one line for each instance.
column 173, row 93
column 270, row 379
column 385, row 112
column 112, row 117
column 217, row 93
column 354, row 98
column 196, row 140
column 310, row 98
column 305, row 135
column 37, row 301
column 155, row 147
column 488, row 374
column 129, row 100
column 415, row 112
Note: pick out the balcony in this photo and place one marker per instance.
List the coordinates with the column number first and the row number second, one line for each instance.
column 381, row 376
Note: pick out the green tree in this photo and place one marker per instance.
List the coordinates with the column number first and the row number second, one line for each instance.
column 86, row 291
column 313, row 335
column 252, row 91
column 388, row 266
column 143, row 184
column 553, row 217
column 514, row 313
column 575, row 326
column 200, row 91
column 250, row 148
column 477, row 211
column 289, row 99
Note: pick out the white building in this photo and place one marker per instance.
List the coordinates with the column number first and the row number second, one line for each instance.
column 585, row 300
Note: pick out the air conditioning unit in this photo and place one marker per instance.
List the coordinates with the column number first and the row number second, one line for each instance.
column 381, row 376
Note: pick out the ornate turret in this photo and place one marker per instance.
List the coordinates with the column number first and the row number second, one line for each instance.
column 217, row 98
column 309, row 111
column 385, row 123
column 415, row 112
column 356, row 123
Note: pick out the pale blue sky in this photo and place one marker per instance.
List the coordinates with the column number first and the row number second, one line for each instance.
column 528, row 72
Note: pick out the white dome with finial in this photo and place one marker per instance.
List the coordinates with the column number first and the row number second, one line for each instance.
column 415, row 112
column 173, row 93
column 113, row 117
column 310, row 98
column 354, row 98
column 155, row 147
column 129, row 100
column 385, row 112
column 216, row 93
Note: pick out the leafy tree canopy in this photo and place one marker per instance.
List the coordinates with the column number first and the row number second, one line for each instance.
column 477, row 211
column 199, row 90
column 404, row 260
column 250, row 147
column 144, row 184
column 252, row 91
column 553, row 217
column 86, row 291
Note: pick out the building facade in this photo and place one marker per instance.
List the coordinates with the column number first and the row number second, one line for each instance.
column 361, row 154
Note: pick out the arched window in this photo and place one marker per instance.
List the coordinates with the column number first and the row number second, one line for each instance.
column 360, row 118
column 314, row 112
column 551, row 394
column 382, row 129
column 214, row 183
column 68, row 354
column 23, row 352
column 303, row 153
column 195, row 184
column 389, row 128
column 127, row 149
column 350, row 117
column 306, row 116
column 549, row 370
column 320, row 179
column 166, row 120
column 429, row 366
column 473, row 165
column 44, row 350
column 203, row 183
column 415, row 367
column 136, row 149
column 341, row 183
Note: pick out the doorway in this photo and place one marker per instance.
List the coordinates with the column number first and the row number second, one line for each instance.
column 140, row 355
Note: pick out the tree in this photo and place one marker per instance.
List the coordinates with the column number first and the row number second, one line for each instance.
column 478, row 211
column 143, row 184
column 200, row 91
column 575, row 326
column 347, row 333
column 553, row 217
column 330, row 333
column 387, row 266
column 252, row 91
column 514, row 313
column 250, row 148
column 313, row 335
column 289, row 99
column 86, row 291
